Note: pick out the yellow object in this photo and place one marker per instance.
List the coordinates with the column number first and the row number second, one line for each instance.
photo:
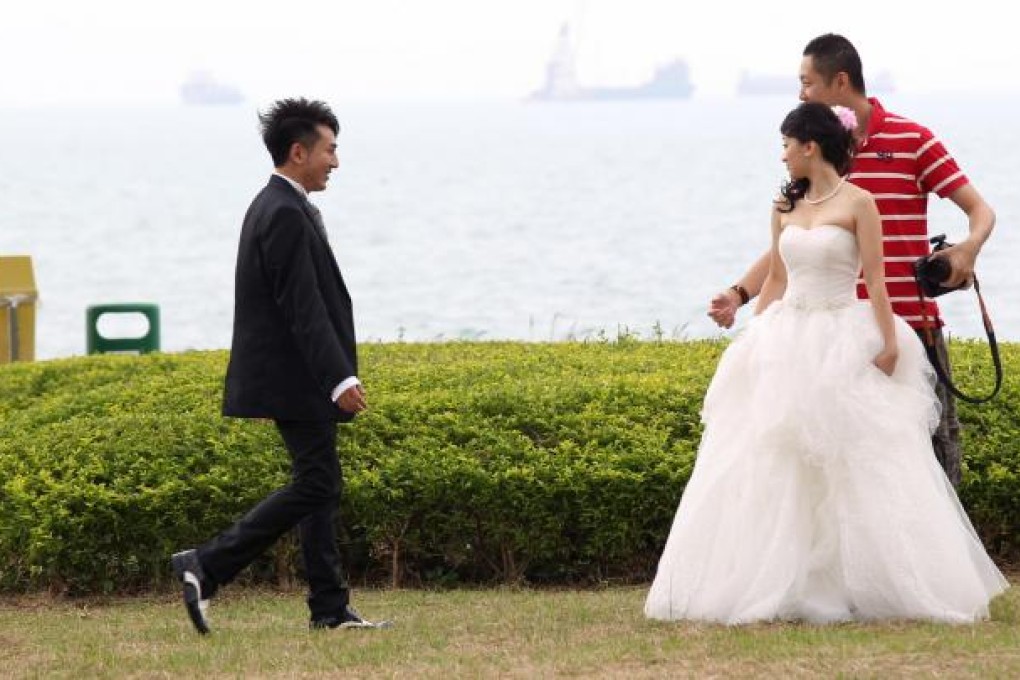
column 18, row 296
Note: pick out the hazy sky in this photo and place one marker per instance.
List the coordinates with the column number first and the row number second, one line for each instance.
column 136, row 52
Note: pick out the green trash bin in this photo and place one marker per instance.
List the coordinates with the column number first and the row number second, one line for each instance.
column 96, row 343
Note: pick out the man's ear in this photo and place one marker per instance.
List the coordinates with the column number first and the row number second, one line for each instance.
column 298, row 153
column 842, row 79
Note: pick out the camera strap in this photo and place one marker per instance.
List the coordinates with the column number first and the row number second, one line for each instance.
column 940, row 370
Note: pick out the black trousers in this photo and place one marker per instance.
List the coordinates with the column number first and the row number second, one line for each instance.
column 309, row 501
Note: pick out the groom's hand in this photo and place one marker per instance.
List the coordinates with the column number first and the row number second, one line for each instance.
column 352, row 399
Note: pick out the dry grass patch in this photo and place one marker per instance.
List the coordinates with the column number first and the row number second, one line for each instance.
column 479, row 633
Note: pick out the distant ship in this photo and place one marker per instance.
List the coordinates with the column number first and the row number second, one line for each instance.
column 201, row 89
column 670, row 81
column 757, row 84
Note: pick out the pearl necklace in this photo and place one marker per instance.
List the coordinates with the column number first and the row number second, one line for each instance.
column 823, row 199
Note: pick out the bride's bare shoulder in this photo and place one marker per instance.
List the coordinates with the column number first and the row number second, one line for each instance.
column 858, row 194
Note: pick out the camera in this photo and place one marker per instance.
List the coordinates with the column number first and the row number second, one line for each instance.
column 931, row 272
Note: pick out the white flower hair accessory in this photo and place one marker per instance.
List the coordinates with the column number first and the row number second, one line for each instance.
column 846, row 116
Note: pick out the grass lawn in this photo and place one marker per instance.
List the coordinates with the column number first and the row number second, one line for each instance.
column 478, row 633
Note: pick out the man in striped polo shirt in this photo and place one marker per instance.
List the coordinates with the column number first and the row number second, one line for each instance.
column 900, row 163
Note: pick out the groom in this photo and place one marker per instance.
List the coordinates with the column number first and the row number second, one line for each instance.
column 293, row 359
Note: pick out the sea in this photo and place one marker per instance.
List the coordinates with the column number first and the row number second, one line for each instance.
column 454, row 221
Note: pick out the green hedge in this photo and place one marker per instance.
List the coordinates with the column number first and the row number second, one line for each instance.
column 477, row 462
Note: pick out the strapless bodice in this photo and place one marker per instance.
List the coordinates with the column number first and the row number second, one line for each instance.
column 822, row 264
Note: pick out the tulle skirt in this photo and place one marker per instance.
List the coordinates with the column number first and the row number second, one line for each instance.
column 816, row 494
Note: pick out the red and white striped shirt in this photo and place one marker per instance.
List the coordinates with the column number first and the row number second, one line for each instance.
column 900, row 163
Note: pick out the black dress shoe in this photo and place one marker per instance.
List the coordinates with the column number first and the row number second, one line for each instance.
column 197, row 589
column 347, row 618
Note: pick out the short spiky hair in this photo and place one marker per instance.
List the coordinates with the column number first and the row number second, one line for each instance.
column 833, row 53
column 294, row 120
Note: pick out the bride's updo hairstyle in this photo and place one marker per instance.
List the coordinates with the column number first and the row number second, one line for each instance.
column 818, row 123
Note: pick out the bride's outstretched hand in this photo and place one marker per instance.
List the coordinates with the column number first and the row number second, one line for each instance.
column 886, row 360
column 723, row 308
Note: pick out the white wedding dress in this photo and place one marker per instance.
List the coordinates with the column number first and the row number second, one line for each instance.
column 816, row 494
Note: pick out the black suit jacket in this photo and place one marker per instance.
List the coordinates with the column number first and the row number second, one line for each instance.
column 293, row 339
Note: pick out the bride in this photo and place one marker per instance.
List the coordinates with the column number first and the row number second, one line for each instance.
column 816, row 495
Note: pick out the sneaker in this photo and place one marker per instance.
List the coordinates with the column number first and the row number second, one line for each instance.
column 347, row 618
column 188, row 571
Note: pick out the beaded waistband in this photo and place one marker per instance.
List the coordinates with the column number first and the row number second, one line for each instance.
column 805, row 302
